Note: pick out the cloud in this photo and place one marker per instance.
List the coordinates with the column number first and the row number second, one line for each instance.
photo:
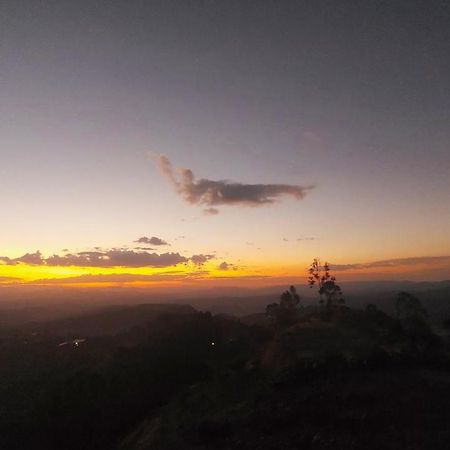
column 104, row 258
column 117, row 258
column 32, row 259
column 7, row 261
column 246, row 277
column 151, row 241
column 224, row 266
column 415, row 261
column 305, row 239
column 122, row 278
column 216, row 193
column 9, row 279
column 210, row 212
column 199, row 260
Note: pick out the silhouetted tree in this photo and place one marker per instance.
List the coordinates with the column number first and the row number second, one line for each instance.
column 371, row 308
column 290, row 299
column 329, row 291
column 286, row 312
column 413, row 317
column 408, row 306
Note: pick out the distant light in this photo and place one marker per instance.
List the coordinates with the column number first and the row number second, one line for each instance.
column 213, row 344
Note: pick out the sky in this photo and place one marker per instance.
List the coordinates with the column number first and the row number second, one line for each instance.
column 248, row 137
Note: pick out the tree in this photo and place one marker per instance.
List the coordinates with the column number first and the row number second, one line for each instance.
column 284, row 313
column 290, row 299
column 411, row 314
column 414, row 320
column 330, row 292
column 371, row 308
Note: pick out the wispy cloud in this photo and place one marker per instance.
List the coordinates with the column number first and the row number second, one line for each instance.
column 210, row 211
column 211, row 193
column 398, row 262
column 9, row 279
column 123, row 278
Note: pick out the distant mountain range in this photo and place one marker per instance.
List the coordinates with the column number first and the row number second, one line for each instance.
column 56, row 304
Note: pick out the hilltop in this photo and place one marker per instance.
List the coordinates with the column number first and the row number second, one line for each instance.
column 169, row 377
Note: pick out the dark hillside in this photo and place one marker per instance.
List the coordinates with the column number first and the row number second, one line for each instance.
column 169, row 377
column 111, row 320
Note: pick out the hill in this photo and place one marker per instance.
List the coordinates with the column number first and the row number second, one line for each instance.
column 110, row 320
column 169, row 377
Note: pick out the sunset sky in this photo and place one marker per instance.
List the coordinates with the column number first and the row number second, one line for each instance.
column 223, row 142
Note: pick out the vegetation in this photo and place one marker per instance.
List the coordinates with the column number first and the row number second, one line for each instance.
column 286, row 312
column 294, row 378
column 330, row 292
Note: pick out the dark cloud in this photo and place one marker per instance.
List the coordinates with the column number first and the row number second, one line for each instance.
column 215, row 193
column 144, row 248
column 106, row 258
column 226, row 266
column 416, row 261
column 199, row 260
column 223, row 266
column 34, row 259
column 152, row 241
column 117, row 258
column 7, row 261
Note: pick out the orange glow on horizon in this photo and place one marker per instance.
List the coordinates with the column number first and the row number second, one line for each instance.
column 188, row 275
